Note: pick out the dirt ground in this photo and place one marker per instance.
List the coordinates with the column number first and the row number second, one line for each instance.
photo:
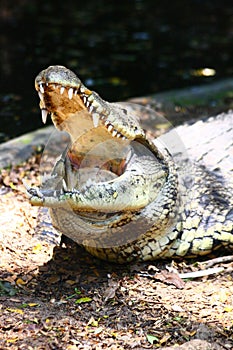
column 60, row 297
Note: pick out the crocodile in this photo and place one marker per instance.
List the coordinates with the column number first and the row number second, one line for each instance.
column 125, row 197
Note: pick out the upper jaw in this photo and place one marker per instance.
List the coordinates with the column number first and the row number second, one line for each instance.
column 62, row 94
column 78, row 98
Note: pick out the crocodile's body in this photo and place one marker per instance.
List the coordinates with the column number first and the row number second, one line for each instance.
column 124, row 197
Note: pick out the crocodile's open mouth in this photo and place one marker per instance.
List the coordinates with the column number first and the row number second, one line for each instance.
column 120, row 168
column 81, row 112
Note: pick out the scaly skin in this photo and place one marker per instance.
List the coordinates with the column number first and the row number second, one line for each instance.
column 124, row 197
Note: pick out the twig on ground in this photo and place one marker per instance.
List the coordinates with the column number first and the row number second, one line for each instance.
column 201, row 273
column 221, row 259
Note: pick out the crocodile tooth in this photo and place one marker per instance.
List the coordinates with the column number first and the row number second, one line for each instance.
column 110, row 127
column 44, row 114
column 70, row 93
column 39, row 194
column 62, row 89
column 64, row 185
column 84, row 100
column 41, row 88
column 118, row 135
column 114, row 133
column 75, row 92
column 95, row 118
column 91, row 108
column 41, row 96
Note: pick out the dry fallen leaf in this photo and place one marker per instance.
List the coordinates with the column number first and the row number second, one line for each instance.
column 18, row 311
column 111, row 290
column 169, row 278
column 19, row 282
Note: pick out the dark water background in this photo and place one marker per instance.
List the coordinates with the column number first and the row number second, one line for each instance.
column 119, row 48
